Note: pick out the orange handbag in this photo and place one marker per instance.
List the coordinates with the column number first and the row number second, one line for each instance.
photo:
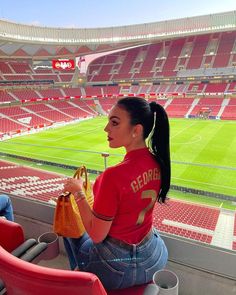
column 67, row 220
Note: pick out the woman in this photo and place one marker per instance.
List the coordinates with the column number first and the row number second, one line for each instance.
column 121, row 247
column 6, row 209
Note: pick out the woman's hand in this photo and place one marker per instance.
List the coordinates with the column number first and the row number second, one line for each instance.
column 73, row 185
column 96, row 228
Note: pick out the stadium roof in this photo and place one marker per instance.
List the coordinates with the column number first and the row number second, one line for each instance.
column 27, row 41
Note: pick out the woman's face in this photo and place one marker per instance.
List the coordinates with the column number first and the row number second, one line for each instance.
column 120, row 133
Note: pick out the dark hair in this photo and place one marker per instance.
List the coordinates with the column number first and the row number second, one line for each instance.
column 154, row 120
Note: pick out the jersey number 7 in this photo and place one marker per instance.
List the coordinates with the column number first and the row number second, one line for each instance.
column 148, row 194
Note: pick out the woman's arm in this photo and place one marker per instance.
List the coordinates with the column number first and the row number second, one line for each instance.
column 96, row 228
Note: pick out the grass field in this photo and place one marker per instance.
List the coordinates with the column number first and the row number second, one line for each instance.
column 202, row 151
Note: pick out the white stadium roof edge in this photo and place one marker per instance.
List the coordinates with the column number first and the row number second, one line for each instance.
column 79, row 41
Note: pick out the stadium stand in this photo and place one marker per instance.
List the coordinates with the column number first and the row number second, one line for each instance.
column 188, row 220
column 189, row 67
column 9, row 126
column 179, row 107
column 179, row 218
column 229, row 112
column 29, row 183
column 6, row 97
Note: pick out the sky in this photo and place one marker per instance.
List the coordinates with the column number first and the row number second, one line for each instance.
column 106, row 13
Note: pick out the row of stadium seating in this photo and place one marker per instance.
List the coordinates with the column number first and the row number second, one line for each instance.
column 167, row 58
column 27, row 116
column 188, row 220
column 17, row 95
column 164, row 59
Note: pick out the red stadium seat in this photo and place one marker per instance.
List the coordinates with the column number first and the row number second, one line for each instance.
column 11, row 234
column 27, row 278
column 21, row 277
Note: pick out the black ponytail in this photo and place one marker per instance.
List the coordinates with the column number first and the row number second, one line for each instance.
column 155, row 124
column 159, row 143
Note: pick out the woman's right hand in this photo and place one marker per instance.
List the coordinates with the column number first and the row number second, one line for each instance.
column 73, row 185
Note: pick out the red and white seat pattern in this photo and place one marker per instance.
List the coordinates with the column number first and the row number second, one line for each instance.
column 188, row 220
column 30, row 183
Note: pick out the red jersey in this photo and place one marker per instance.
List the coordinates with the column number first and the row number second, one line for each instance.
column 126, row 193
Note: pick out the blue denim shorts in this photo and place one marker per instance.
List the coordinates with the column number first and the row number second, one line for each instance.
column 116, row 266
column 6, row 209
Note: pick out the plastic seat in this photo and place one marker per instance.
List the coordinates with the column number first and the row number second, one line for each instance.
column 12, row 239
column 11, row 234
column 21, row 277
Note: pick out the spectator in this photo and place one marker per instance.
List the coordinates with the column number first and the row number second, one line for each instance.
column 6, row 209
column 120, row 245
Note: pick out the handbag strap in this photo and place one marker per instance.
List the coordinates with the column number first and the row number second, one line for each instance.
column 79, row 173
column 64, row 195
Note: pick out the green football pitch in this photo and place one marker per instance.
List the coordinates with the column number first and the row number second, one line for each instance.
column 203, row 152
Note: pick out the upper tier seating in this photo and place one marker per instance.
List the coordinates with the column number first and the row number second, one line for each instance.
column 20, row 67
column 5, row 68
column 172, row 58
column 26, row 94
column 199, row 46
column 21, row 77
column 65, row 77
column 225, row 48
column 166, row 58
column 6, row 97
column 53, row 77
column 72, row 92
column 51, row 93
column 162, row 59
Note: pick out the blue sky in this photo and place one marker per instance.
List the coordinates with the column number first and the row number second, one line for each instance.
column 104, row 13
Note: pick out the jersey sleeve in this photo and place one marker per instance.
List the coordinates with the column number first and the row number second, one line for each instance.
column 106, row 194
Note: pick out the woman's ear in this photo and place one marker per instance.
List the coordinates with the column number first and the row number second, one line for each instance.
column 137, row 131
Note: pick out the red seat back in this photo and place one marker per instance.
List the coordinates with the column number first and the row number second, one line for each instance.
column 21, row 277
column 11, row 234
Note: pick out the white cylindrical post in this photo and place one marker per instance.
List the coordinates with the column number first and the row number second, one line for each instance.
column 105, row 156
